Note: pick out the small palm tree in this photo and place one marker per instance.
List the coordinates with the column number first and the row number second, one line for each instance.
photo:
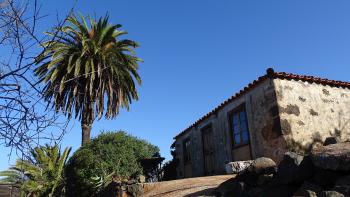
column 89, row 68
column 44, row 177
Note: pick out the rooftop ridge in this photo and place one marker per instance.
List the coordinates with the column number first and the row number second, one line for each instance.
column 270, row 73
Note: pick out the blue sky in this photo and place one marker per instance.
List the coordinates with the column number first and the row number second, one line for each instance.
column 198, row 53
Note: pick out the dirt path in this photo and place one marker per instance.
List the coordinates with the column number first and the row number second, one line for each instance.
column 201, row 186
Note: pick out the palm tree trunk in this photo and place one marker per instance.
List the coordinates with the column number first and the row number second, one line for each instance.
column 86, row 125
column 85, row 134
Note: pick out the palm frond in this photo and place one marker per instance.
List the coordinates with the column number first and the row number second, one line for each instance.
column 11, row 176
column 42, row 178
column 92, row 64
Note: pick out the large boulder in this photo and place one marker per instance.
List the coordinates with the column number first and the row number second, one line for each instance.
column 231, row 187
column 237, row 166
column 259, row 172
column 288, row 168
column 263, row 165
column 342, row 185
column 324, row 172
column 263, row 179
column 255, row 191
column 308, row 189
column 280, row 191
column 332, row 157
column 331, row 194
column 306, row 169
column 326, row 178
column 294, row 168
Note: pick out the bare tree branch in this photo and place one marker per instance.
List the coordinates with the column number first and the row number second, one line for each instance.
column 25, row 120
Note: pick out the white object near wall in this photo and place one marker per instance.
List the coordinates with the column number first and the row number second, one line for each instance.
column 237, row 166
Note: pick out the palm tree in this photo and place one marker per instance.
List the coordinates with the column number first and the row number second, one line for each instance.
column 85, row 66
column 44, row 177
column 12, row 176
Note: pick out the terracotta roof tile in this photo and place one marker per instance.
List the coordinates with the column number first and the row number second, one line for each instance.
column 270, row 73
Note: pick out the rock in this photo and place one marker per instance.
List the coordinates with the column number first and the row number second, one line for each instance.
column 288, row 168
column 237, row 166
column 306, row 169
column 331, row 194
column 264, row 178
column 114, row 188
column 231, row 187
column 249, row 177
column 263, row 165
column 255, row 191
column 135, row 189
column 326, row 178
column 141, row 179
column 308, row 189
column 260, row 166
column 238, row 189
column 332, row 157
column 342, row 185
column 305, row 193
column 294, row 168
column 331, row 140
column 130, row 182
column 326, row 168
column 281, row 191
column 225, row 186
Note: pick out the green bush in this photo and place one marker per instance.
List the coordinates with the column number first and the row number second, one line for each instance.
column 110, row 152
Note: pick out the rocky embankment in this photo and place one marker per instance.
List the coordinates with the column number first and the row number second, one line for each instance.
column 324, row 172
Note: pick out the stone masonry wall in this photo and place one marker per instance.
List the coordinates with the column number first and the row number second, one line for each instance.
column 264, row 125
column 310, row 112
column 265, row 129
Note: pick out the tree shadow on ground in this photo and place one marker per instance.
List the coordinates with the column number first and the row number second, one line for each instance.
column 204, row 192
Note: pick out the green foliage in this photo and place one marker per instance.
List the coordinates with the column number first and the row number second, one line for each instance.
column 101, row 182
column 44, row 177
column 12, row 176
column 110, row 152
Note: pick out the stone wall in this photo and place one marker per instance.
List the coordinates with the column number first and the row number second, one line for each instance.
column 9, row 190
column 264, row 123
column 264, row 126
column 310, row 112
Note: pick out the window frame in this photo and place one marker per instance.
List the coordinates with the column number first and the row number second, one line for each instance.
column 240, row 108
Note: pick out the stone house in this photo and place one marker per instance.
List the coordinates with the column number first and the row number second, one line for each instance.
column 275, row 113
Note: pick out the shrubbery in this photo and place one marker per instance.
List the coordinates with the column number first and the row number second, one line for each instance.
column 110, row 152
column 169, row 170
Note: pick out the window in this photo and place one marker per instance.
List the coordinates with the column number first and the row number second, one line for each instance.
column 187, row 150
column 239, row 126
